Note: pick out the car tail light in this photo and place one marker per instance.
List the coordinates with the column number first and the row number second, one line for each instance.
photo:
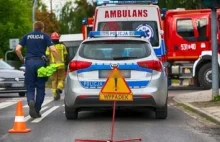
column 151, row 64
column 77, row 65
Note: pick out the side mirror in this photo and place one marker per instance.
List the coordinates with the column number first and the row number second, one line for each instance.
column 22, row 68
column 166, row 64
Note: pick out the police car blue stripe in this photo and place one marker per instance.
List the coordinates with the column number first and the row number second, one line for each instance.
column 161, row 50
column 163, row 47
column 125, row 66
column 99, row 84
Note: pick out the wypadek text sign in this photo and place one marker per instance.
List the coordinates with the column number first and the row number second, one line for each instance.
column 115, row 88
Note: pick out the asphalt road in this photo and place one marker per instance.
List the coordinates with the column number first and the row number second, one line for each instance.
column 53, row 126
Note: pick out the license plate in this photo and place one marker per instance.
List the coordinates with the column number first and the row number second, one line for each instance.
column 17, row 85
column 105, row 73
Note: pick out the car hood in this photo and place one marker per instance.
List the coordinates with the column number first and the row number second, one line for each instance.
column 11, row 73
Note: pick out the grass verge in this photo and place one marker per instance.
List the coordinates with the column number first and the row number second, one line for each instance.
column 208, row 118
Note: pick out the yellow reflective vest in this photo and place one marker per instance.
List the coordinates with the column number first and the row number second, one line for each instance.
column 62, row 52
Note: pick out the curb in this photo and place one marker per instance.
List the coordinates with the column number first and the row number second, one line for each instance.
column 199, row 111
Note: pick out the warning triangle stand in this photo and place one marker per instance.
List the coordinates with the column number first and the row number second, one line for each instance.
column 114, row 89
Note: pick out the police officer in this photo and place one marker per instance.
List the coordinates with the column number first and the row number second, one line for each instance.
column 36, row 43
column 58, row 76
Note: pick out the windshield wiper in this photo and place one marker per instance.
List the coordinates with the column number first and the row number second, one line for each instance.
column 124, row 58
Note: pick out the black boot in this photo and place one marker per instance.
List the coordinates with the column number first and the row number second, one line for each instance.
column 58, row 92
column 38, row 114
column 32, row 111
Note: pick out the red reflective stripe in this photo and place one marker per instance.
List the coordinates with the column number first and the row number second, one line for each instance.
column 83, row 96
column 146, row 96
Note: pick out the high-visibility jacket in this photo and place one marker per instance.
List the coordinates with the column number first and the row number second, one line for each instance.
column 62, row 52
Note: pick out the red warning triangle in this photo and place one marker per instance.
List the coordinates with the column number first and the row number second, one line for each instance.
column 115, row 85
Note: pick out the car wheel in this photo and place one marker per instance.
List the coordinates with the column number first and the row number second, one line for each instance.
column 21, row 94
column 205, row 76
column 161, row 113
column 70, row 113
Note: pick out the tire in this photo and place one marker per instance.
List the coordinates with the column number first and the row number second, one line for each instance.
column 161, row 113
column 21, row 94
column 70, row 114
column 205, row 76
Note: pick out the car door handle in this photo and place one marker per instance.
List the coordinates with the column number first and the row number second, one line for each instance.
column 175, row 47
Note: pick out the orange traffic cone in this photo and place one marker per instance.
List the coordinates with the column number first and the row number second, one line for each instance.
column 19, row 124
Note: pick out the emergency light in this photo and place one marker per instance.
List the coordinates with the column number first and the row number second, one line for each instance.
column 103, row 2
column 84, row 21
column 117, row 34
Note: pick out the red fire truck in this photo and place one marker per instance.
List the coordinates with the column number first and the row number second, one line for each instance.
column 87, row 25
column 187, row 38
column 188, row 42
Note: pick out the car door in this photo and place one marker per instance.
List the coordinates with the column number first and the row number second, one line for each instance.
column 184, row 37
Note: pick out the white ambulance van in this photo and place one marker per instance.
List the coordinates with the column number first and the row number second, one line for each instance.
column 132, row 17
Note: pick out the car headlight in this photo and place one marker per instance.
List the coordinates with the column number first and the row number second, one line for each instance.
column 2, row 79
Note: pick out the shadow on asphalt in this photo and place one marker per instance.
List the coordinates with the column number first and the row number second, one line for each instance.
column 11, row 96
column 121, row 115
column 186, row 88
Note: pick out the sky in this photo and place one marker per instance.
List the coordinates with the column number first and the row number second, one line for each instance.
column 56, row 4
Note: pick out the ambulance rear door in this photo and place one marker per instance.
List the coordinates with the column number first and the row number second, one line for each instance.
column 131, row 18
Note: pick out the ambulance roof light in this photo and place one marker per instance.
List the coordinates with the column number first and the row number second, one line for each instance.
column 117, row 34
column 104, row 2
column 84, row 21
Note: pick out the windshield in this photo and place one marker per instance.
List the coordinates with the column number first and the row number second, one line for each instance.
column 4, row 65
column 149, row 26
column 114, row 50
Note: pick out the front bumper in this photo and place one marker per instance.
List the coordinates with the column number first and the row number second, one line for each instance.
column 9, row 88
column 13, row 91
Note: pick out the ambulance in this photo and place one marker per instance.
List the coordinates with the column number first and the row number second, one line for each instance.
column 139, row 15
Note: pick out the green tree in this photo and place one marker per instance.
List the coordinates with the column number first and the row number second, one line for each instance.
column 83, row 9
column 15, row 21
column 67, row 20
column 173, row 4
column 71, row 18
column 49, row 19
column 41, row 6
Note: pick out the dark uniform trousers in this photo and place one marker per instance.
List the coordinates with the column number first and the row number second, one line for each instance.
column 33, row 82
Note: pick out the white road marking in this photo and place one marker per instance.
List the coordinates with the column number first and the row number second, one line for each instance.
column 13, row 100
column 46, row 101
column 44, row 114
column 6, row 104
column 28, row 117
column 63, row 105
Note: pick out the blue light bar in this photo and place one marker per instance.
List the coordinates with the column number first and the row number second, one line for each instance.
column 103, row 2
column 84, row 21
column 117, row 34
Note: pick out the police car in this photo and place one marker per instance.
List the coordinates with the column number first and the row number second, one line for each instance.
column 133, row 55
